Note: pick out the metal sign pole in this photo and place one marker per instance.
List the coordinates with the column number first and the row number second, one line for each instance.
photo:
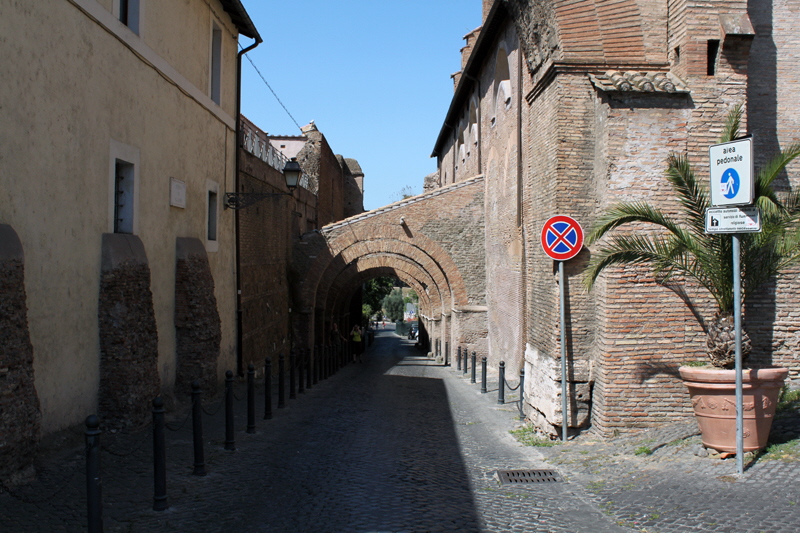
column 563, row 352
column 737, row 321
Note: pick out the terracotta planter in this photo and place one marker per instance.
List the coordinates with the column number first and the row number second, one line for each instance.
column 713, row 394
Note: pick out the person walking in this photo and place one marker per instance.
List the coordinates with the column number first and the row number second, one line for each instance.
column 355, row 337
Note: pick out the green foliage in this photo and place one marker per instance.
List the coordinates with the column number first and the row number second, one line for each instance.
column 528, row 436
column 695, row 363
column 789, row 400
column 682, row 248
column 412, row 298
column 643, row 450
column 366, row 313
column 375, row 290
column 393, row 305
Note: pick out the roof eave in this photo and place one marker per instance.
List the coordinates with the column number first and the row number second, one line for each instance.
column 241, row 19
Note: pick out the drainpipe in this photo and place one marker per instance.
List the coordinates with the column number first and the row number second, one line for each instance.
column 239, row 357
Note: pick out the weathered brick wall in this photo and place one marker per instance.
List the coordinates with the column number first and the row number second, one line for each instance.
column 267, row 230
column 325, row 174
column 197, row 323
column 20, row 415
column 129, row 378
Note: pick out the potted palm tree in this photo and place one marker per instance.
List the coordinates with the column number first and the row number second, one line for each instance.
column 680, row 248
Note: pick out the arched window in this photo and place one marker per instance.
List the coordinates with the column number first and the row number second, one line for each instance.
column 502, row 84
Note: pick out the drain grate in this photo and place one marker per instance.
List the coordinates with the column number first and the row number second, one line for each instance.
column 508, row 477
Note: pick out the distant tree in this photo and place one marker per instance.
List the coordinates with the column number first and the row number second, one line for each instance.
column 412, row 297
column 375, row 290
column 394, row 306
column 366, row 313
column 402, row 194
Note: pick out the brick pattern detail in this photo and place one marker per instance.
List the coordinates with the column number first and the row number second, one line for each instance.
column 20, row 415
column 197, row 323
column 129, row 378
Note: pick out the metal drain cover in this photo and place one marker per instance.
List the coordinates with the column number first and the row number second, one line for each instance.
column 508, row 477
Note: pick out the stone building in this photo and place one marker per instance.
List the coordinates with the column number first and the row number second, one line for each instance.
column 569, row 107
column 117, row 145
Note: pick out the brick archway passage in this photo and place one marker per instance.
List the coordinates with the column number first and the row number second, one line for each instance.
column 434, row 242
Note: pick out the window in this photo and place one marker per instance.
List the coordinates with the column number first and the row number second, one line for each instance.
column 129, row 14
column 123, row 196
column 123, row 188
column 211, row 233
column 212, row 216
column 713, row 49
column 216, row 63
column 502, row 84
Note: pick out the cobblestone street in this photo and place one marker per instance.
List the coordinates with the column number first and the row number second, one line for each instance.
column 396, row 444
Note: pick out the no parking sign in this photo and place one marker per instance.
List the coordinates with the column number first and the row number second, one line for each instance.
column 562, row 237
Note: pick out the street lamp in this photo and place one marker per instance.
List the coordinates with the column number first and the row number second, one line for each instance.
column 240, row 200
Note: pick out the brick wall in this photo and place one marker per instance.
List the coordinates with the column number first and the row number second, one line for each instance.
column 20, row 415
column 197, row 323
column 129, row 378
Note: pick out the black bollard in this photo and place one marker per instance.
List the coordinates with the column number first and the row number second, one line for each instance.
column 292, row 375
column 281, row 385
column 301, row 381
column 251, row 398
column 521, row 394
column 501, row 381
column 230, row 441
column 474, row 370
column 446, row 354
column 267, row 388
column 159, row 457
column 483, row 376
column 466, row 361
column 458, row 358
column 197, row 430
column 94, row 486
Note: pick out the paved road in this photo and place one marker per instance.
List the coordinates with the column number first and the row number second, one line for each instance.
column 397, row 444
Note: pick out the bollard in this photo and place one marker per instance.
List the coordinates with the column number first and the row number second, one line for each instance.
column 474, row 358
column 281, row 385
column 230, row 442
column 267, row 388
column 301, row 381
column 159, row 457
column 466, row 361
column 522, row 393
column 501, row 380
column 94, row 486
column 483, row 375
column 458, row 365
column 292, row 375
column 446, row 354
column 251, row 398
column 197, row 430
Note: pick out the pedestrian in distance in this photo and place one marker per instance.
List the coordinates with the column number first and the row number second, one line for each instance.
column 355, row 337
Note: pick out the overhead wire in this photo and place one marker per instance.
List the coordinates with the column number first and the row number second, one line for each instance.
column 271, row 89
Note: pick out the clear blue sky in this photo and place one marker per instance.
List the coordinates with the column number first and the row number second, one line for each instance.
column 373, row 75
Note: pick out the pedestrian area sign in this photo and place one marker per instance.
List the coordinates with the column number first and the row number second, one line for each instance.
column 731, row 169
column 562, row 237
column 733, row 220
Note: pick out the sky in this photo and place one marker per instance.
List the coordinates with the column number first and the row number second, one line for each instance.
column 373, row 75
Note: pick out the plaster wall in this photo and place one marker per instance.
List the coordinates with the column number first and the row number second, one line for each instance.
column 72, row 90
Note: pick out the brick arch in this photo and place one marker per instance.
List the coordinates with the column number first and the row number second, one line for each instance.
column 365, row 268
column 342, row 298
column 400, row 251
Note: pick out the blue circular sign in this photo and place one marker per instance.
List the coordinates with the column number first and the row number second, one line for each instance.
column 729, row 184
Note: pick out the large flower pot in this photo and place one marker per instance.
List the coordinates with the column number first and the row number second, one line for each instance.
column 713, row 394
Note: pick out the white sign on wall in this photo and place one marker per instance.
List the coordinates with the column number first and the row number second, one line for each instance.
column 177, row 193
column 731, row 169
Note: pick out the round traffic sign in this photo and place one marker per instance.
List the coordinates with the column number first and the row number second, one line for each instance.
column 562, row 237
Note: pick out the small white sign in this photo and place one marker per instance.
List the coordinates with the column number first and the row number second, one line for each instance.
column 731, row 169
column 177, row 193
column 733, row 220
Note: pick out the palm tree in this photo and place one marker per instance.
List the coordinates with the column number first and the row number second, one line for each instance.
column 682, row 248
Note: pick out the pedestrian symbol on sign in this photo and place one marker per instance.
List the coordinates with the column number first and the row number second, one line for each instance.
column 729, row 184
